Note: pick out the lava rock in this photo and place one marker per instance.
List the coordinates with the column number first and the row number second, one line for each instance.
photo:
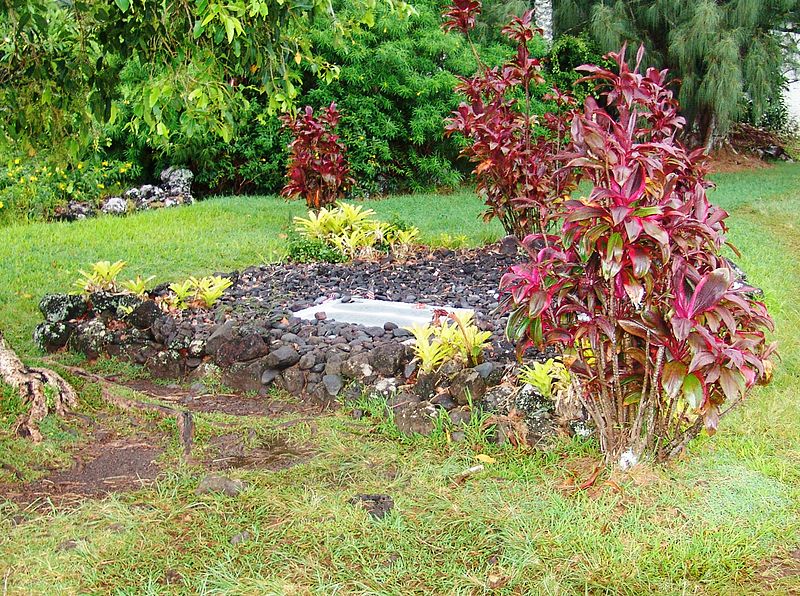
column 245, row 376
column 333, row 384
column 293, row 380
column 460, row 416
column 467, row 386
column 52, row 336
column 62, row 307
column 243, row 347
column 109, row 303
column 358, row 367
column 144, row 315
column 90, row 337
column 167, row 364
column 414, row 418
column 388, row 359
column 283, row 357
column 269, row 375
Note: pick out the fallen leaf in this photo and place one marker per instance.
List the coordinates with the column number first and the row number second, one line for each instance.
column 487, row 459
column 495, row 581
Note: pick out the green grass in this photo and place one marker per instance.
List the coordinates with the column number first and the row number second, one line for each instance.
column 722, row 520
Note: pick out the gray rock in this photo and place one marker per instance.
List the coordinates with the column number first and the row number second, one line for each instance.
column 460, row 416
column 333, row 384
column 167, row 364
column 220, row 484
column 358, row 367
column 484, row 369
column 307, row 361
column 388, row 359
column 115, row 206
column 245, row 346
column 293, row 380
column 245, row 376
column 269, row 375
column 283, row 357
column 91, row 338
column 415, row 418
column 467, row 385
column 144, row 315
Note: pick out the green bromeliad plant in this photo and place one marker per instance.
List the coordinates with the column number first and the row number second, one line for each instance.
column 344, row 231
column 449, row 336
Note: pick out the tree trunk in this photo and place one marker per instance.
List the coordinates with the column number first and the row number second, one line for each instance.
column 33, row 384
column 543, row 14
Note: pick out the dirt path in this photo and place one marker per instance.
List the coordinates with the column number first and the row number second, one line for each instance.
column 120, row 454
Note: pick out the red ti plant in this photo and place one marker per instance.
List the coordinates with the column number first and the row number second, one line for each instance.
column 661, row 338
column 517, row 172
column 318, row 170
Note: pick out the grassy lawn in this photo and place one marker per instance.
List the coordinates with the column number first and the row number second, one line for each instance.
column 723, row 520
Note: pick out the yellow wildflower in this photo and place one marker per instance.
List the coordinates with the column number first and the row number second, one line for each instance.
column 16, row 162
column 80, row 165
column 105, row 163
column 32, row 179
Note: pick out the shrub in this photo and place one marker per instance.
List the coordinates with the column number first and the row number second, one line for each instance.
column 33, row 189
column 550, row 378
column 318, row 171
column 306, row 250
column 203, row 292
column 394, row 88
column 344, row 232
column 660, row 337
column 101, row 278
column 515, row 152
column 449, row 336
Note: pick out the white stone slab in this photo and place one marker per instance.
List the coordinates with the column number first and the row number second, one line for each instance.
column 375, row 313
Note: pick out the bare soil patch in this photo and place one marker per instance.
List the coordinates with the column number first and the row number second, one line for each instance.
column 233, row 404
column 726, row 161
column 108, row 462
column 235, row 451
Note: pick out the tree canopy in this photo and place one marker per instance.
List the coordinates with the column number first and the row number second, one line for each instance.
column 60, row 60
column 728, row 54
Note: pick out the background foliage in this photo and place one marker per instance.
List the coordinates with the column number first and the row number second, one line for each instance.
column 728, row 54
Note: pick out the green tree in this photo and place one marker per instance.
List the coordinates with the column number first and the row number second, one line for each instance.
column 201, row 59
column 725, row 52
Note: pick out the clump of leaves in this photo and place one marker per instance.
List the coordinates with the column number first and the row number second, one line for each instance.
column 208, row 290
column 660, row 337
column 317, row 171
column 102, row 277
column 517, row 155
column 203, row 292
column 351, row 232
column 550, row 377
column 449, row 336
column 306, row 250
column 137, row 286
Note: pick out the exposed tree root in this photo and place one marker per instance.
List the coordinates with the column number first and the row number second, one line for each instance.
column 184, row 419
column 32, row 384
